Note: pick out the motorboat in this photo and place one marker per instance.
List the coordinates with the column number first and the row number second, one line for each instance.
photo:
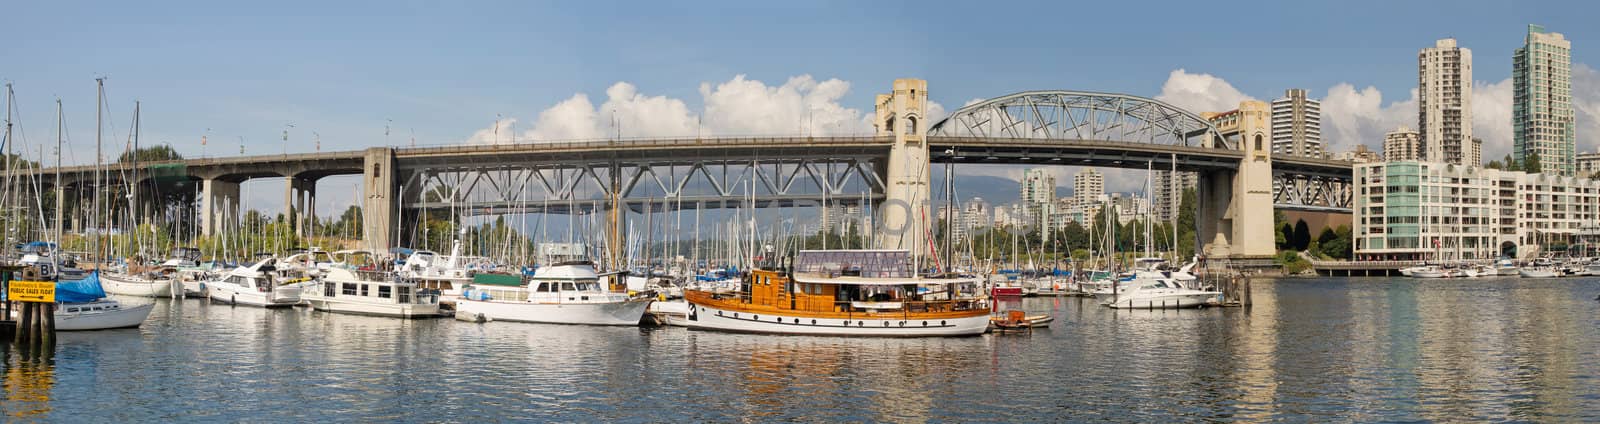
column 1505, row 267
column 872, row 293
column 1539, row 272
column 365, row 292
column 260, row 284
column 1158, row 293
column 564, row 293
column 430, row 270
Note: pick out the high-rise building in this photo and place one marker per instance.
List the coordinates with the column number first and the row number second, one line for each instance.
column 1089, row 186
column 1587, row 165
column 1297, row 125
column 1038, row 186
column 1444, row 114
column 1541, row 111
column 1402, row 144
column 1168, row 193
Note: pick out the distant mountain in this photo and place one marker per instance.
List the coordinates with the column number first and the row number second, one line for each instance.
column 997, row 191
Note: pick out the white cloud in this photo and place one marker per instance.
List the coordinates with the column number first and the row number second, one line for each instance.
column 1200, row 92
column 1491, row 117
column 1586, row 104
column 1351, row 117
column 737, row 107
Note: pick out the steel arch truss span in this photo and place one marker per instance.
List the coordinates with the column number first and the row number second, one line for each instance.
column 1311, row 192
column 659, row 185
column 1074, row 115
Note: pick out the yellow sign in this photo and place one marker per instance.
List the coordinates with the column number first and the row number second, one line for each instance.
column 32, row 291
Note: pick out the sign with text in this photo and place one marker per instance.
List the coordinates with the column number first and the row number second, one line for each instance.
column 32, row 291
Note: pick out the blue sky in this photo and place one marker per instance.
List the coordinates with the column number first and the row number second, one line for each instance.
column 447, row 71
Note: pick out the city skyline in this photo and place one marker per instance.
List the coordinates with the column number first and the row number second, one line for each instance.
column 455, row 80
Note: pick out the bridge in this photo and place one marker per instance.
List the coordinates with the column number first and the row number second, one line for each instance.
column 1239, row 180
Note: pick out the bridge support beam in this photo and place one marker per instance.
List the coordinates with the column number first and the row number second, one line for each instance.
column 299, row 199
column 905, row 204
column 378, row 205
column 219, row 206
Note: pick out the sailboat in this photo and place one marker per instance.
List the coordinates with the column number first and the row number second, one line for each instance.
column 81, row 301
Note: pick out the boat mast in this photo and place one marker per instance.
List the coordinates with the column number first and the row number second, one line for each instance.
column 6, row 201
column 99, row 167
column 133, row 196
column 55, row 257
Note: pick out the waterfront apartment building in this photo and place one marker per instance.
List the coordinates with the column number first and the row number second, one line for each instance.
column 1410, row 210
column 1297, row 125
column 1541, row 111
column 1444, row 111
column 1587, row 165
column 1402, row 144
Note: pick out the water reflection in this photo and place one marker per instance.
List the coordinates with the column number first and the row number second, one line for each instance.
column 1308, row 350
column 29, row 379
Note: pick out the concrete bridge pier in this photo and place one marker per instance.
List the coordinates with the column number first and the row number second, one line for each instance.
column 378, row 203
column 219, row 206
column 905, row 205
column 1236, row 208
column 300, row 198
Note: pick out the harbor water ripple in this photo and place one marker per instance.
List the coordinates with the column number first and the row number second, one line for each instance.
column 1308, row 350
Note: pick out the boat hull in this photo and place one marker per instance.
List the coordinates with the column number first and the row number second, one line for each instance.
column 705, row 317
column 231, row 295
column 393, row 310
column 1537, row 273
column 612, row 313
column 125, row 317
column 1168, row 301
column 133, row 286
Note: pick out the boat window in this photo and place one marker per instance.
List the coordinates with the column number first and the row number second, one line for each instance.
column 589, row 286
column 364, row 290
column 383, row 292
column 97, row 308
column 329, row 289
column 72, row 309
column 349, row 289
column 405, row 294
column 567, row 286
column 544, row 287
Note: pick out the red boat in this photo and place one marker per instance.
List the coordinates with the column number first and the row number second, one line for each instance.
column 1005, row 291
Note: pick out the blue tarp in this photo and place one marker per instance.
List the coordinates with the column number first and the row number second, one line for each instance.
column 85, row 290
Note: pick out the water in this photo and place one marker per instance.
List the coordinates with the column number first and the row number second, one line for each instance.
column 1309, row 350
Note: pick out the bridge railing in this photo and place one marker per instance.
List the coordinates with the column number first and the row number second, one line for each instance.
column 646, row 143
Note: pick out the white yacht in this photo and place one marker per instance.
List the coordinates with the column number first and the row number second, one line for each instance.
column 565, row 293
column 351, row 290
column 1505, row 267
column 442, row 273
column 1157, row 293
column 255, row 285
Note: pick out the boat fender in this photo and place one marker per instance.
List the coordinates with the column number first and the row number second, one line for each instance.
column 233, row 299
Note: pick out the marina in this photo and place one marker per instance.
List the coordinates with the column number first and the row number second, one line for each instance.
column 1307, row 350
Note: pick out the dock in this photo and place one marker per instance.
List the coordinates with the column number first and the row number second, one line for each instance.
column 1361, row 268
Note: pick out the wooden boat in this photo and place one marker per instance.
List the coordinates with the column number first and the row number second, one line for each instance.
column 844, row 293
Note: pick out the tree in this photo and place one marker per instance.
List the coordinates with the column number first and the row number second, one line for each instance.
column 1494, row 164
column 158, row 153
column 1532, row 165
column 1302, row 235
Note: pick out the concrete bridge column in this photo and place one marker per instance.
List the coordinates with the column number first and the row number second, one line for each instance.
column 378, row 217
column 219, row 203
column 299, row 194
column 905, row 204
column 1236, row 219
